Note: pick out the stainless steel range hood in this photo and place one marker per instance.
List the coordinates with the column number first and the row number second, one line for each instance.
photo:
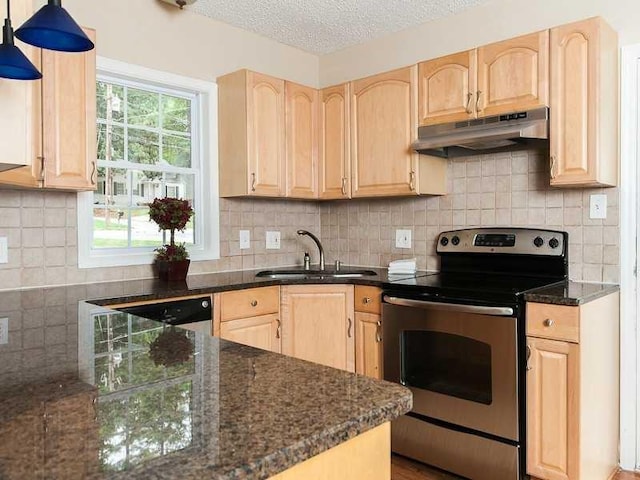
column 529, row 129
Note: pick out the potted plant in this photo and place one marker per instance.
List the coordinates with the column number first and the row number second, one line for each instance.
column 171, row 214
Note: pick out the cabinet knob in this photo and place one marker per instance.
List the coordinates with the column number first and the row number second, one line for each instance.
column 548, row 322
column 479, row 107
column 553, row 162
column 469, row 98
column 254, row 303
column 366, row 300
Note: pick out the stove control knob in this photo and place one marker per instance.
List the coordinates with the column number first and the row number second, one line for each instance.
column 554, row 243
column 455, row 240
column 444, row 241
column 538, row 242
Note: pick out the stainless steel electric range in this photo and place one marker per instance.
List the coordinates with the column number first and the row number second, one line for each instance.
column 457, row 340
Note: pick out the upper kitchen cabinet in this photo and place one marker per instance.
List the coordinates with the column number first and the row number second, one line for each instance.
column 513, row 75
column 56, row 117
column 584, row 104
column 333, row 149
column 301, row 116
column 384, row 120
column 499, row 78
column 447, row 87
column 251, row 109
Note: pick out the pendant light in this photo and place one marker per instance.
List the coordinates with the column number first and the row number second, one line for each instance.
column 52, row 28
column 13, row 63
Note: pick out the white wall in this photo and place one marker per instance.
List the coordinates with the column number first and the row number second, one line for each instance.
column 494, row 21
column 156, row 35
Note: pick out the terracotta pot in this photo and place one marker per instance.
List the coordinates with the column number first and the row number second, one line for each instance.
column 173, row 271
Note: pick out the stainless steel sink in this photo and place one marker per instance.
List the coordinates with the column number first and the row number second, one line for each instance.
column 313, row 274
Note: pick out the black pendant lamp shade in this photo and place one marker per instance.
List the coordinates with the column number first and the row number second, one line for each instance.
column 52, row 28
column 13, row 63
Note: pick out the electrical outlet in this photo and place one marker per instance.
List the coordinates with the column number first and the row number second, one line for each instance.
column 245, row 239
column 273, row 240
column 4, row 331
column 403, row 238
column 4, row 250
column 598, row 206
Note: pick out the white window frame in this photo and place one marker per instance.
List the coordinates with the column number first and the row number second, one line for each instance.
column 207, row 247
column 629, row 248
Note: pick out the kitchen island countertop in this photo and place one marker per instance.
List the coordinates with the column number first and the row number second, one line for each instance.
column 82, row 396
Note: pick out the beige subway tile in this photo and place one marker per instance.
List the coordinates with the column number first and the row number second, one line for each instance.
column 613, row 216
column 592, row 273
column 575, row 271
column 56, row 217
column 9, row 218
column 503, row 200
column 592, row 254
column 573, row 216
column 473, row 218
column 611, row 255
column 474, row 201
column 554, row 217
column 459, row 201
column 611, row 274
column 536, row 199
column 503, row 165
column 503, row 217
column 32, row 198
column 10, row 198
column 537, row 217
column 14, row 237
column 593, row 235
column 33, row 257
column 55, row 275
column 611, row 235
column 519, row 199
column 474, row 185
column 575, row 234
column 575, row 253
column 519, row 163
column 555, row 198
column 519, row 217
column 572, row 198
column 489, row 184
column 520, row 183
column 459, row 218
column 503, row 183
column 55, row 237
column 459, row 168
column 488, row 166
column 474, row 168
column 488, row 218
column 488, row 201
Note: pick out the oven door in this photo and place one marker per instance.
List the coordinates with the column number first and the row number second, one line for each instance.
column 460, row 362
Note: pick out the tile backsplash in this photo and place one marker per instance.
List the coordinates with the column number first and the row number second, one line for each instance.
column 490, row 190
column 509, row 189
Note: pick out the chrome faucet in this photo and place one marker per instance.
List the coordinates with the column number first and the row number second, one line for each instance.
column 319, row 245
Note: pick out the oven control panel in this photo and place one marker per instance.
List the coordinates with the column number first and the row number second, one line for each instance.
column 517, row 241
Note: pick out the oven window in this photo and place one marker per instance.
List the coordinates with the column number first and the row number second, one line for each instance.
column 449, row 364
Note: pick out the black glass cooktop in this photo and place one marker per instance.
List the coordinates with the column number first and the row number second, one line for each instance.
column 472, row 286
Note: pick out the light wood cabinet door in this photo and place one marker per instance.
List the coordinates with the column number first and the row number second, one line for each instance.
column 333, row 149
column 19, row 116
column 446, row 88
column 266, row 134
column 552, row 409
column 251, row 143
column 301, row 115
column 69, row 119
column 259, row 332
column 318, row 324
column 383, row 124
column 513, row 75
column 584, row 99
column 369, row 344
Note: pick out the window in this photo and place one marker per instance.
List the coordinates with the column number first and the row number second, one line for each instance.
column 154, row 139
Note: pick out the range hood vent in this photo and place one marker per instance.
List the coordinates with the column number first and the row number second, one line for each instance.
column 513, row 131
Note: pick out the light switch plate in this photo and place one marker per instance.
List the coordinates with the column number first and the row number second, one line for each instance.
column 273, row 240
column 4, row 331
column 598, row 206
column 403, row 238
column 245, row 239
column 4, row 250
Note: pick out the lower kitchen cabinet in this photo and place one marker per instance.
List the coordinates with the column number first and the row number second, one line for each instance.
column 317, row 324
column 573, row 390
column 368, row 308
column 250, row 317
column 259, row 332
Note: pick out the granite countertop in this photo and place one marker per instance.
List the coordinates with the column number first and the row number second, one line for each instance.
column 81, row 396
column 154, row 289
column 570, row 293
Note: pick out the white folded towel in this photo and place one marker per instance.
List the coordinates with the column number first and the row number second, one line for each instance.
column 406, row 266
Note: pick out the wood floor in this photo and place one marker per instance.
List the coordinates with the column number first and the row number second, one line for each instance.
column 405, row 469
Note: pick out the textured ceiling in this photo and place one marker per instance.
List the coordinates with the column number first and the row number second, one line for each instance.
column 324, row 26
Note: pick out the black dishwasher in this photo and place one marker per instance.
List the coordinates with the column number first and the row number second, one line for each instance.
column 191, row 313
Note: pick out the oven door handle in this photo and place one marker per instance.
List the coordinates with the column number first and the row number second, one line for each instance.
column 449, row 307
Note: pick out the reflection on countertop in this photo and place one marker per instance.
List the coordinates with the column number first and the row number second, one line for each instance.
column 88, row 392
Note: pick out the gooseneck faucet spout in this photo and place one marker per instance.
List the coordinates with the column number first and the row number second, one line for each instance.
column 318, row 244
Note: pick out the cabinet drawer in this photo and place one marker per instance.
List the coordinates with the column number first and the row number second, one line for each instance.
column 249, row 303
column 367, row 299
column 557, row 322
